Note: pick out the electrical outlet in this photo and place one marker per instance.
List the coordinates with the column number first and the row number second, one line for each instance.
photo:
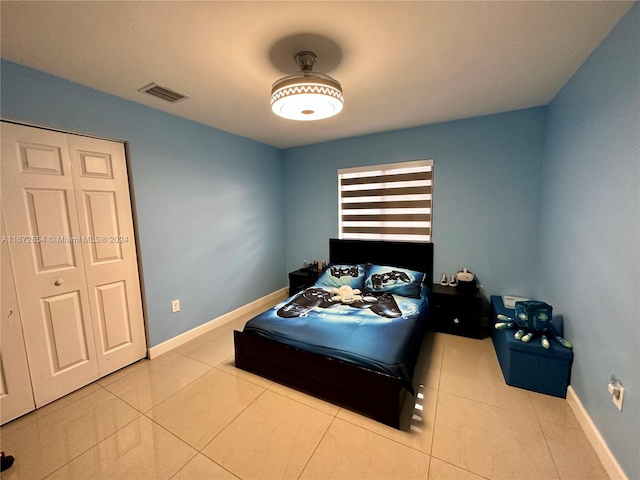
column 175, row 306
column 617, row 392
column 617, row 400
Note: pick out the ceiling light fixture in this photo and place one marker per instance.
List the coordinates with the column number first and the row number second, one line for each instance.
column 306, row 95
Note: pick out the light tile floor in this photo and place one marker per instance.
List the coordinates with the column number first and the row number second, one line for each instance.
column 190, row 414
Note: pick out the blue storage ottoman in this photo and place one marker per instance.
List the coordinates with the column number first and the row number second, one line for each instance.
column 529, row 365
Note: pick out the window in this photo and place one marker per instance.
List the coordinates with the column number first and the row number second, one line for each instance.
column 386, row 202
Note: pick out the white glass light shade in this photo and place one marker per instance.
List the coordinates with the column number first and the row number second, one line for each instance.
column 306, row 96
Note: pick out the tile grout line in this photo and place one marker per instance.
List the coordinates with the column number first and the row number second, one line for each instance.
column 196, row 451
column 34, row 412
column 194, row 359
column 484, row 403
column 538, row 422
column 188, row 384
column 379, row 434
column 431, row 455
column 230, row 422
column 252, row 382
column 335, row 416
column 302, row 403
column 95, row 445
column 187, row 462
column 316, row 447
column 387, row 438
column 306, row 405
column 390, row 439
column 137, row 362
column 199, row 451
column 544, row 436
column 462, row 468
column 435, row 414
column 162, row 401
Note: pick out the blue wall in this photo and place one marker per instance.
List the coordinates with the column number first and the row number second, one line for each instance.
column 209, row 203
column 486, row 193
column 589, row 261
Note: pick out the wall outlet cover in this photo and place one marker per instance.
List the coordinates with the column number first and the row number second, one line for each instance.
column 618, row 401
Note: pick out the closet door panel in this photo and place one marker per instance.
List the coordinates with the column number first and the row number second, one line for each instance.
column 113, row 316
column 46, row 251
column 65, row 335
column 104, row 208
column 48, row 217
column 16, row 395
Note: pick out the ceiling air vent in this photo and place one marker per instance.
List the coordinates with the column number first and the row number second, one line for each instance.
column 164, row 93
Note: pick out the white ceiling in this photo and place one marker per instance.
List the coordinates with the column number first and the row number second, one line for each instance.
column 401, row 64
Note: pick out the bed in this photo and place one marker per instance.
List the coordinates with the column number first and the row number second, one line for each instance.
column 324, row 348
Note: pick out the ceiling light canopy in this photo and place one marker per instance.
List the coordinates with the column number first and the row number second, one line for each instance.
column 306, row 95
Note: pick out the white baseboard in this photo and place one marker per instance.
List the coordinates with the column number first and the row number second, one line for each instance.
column 598, row 443
column 266, row 301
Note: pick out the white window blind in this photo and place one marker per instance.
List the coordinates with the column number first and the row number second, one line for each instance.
column 386, row 202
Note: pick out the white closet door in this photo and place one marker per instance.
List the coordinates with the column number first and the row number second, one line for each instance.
column 104, row 210
column 42, row 225
column 16, row 395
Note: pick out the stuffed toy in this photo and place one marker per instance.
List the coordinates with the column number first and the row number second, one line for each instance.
column 346, row 295
column 532, row 318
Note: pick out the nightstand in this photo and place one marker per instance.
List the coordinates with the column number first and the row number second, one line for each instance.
column 455, row 312
column 301, row 279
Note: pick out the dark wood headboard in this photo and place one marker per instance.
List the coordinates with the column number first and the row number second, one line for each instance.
column 411, row 255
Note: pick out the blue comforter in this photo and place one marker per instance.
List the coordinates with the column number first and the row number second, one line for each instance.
column 382, row 333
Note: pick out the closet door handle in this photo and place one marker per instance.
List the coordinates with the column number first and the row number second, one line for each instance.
column 58, row 282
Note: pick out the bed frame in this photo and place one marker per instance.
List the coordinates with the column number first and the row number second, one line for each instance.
column 370, row 393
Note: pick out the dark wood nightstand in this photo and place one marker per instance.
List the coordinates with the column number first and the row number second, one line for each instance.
column 455, row 312
column 301, row 279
